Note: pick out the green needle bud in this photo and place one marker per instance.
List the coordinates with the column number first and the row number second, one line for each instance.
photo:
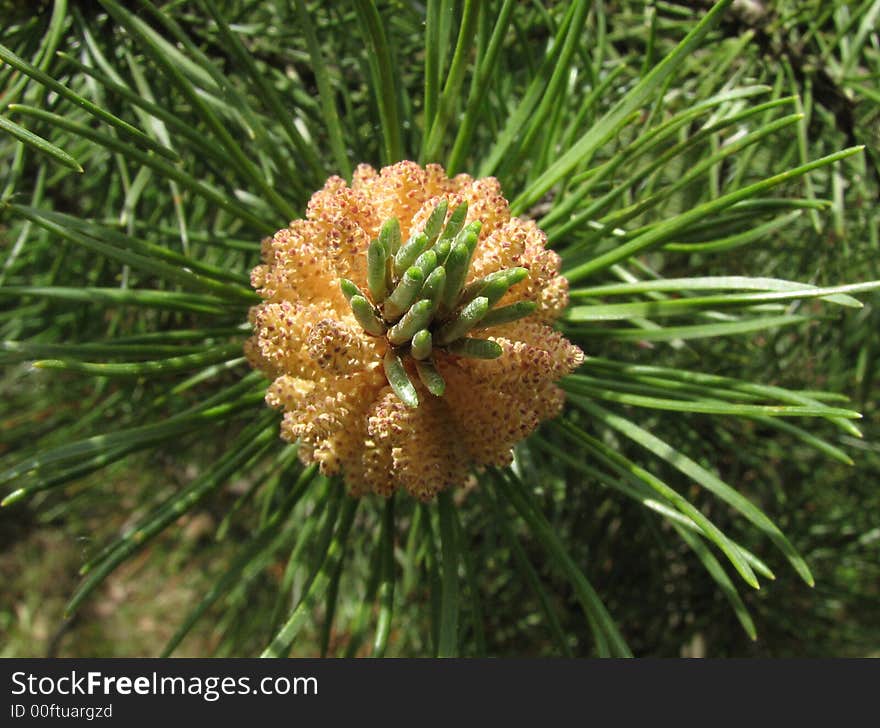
column 366, row 316
column 402, row 297
column 442, row 250
column 457, row 265
column 476, row 348
column 421, row 345
column 414, row 320
column 467, row 318
column 435, row 285
column 470, row 233
column 430, row 377
column 495, row 290
column 472, row 227
column 414, row 247
column 456, row 222
column 500, row 280
column 435, row 221
column 349, row 289
column 506, row 314
column 399, row 380
column 377, row 257
column 426, row 262
column 390, row 236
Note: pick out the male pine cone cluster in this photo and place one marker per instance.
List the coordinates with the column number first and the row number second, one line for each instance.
column 405, row 326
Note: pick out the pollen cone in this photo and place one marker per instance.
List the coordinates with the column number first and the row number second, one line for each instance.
column 351, row 406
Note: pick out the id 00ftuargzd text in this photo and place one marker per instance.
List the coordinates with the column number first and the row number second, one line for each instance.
column 53, row 710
